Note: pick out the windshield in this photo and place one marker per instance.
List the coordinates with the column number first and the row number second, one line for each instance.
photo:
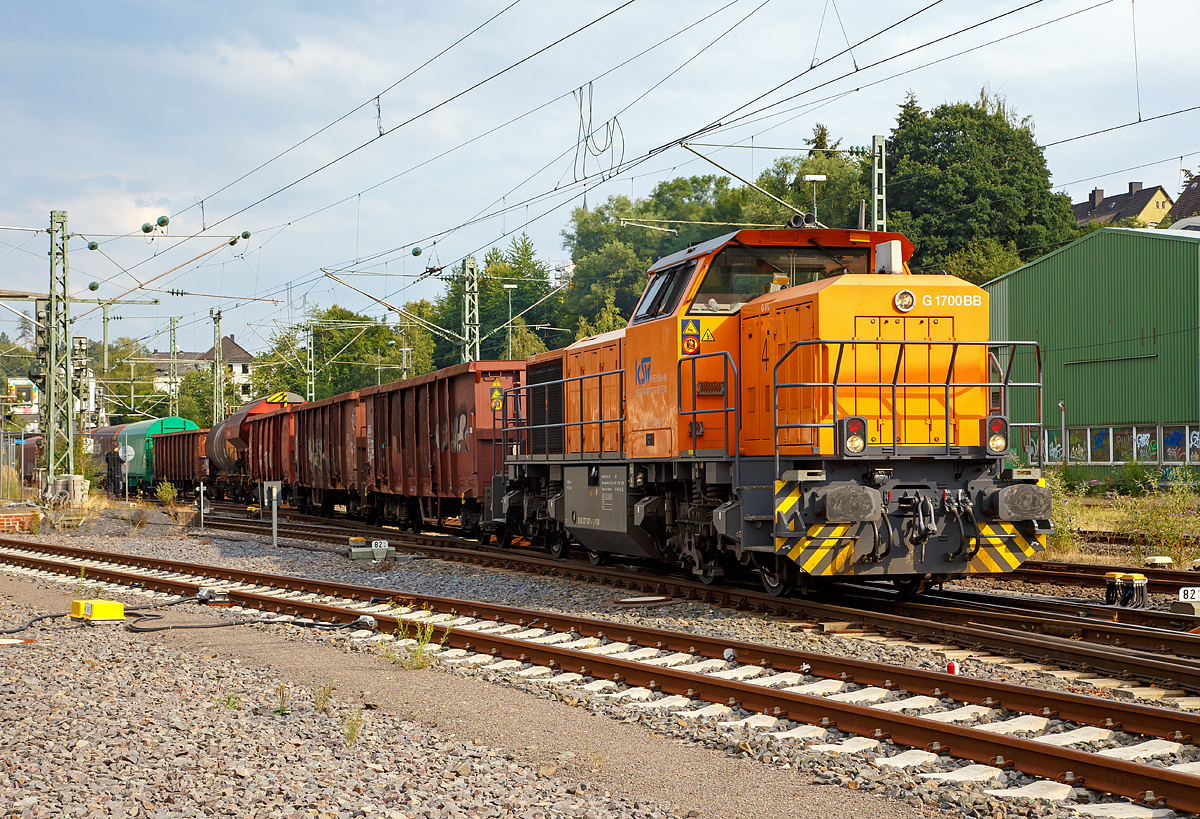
column 664, row 291
column 739, row 273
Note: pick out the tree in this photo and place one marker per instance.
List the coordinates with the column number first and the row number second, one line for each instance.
column 129, row 384
column 347, row 350
column 196, row 393
column 525, row 342
column 981, row 261
column 971, row 171
column 846, row 183
column 609, row 318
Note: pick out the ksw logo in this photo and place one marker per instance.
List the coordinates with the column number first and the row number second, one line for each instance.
column 642, row 371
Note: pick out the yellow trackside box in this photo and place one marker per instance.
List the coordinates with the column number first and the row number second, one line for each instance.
column 97, row 610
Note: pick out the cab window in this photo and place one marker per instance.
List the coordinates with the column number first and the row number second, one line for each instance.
column 739, row 273
column 664, row 291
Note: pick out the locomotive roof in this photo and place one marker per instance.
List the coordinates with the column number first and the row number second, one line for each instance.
column 694, row 250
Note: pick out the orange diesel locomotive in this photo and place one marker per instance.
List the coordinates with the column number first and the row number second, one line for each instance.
column 792, row 402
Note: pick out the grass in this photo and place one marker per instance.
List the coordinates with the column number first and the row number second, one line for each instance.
column 228, row 701
column 321, row 695
column 1162, row 519
column 351, row 725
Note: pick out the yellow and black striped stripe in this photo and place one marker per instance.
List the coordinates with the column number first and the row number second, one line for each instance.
column 1003, row 548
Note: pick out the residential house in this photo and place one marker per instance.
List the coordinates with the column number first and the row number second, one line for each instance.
column 238, row 365
column 1148, row 205
column 1188, row 203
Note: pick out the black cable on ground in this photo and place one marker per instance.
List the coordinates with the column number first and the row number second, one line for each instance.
column 34, row 620
column 41, row 617
column 132, row 626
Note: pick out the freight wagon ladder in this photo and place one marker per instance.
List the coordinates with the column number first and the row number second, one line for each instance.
column 822, row 549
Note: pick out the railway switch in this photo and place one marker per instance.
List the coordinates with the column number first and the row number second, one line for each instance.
column 97, row 611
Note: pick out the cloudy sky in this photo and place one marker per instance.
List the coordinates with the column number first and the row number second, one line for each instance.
column 231, row 117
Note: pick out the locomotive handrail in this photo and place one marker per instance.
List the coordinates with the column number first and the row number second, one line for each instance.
column 726, row 409
column 522, row 433
column 1005, row 384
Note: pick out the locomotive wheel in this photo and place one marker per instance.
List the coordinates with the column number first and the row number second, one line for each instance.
column 504, row 537
column 596, row 558
column 778, row 575
column 910, row 586
column 559, row 546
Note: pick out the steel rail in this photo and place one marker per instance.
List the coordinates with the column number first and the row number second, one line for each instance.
column 1130, row 779
column 1075, row 707
column 1159, row 581
column 1076, row 627
column 974, row 629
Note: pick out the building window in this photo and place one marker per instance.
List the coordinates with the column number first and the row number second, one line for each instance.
column 1054, row 451
column 1193, row 445
column 245, row 369
column 1122, row 444
column 1174, row 445
column 1077, row 446
column 246, row 390
column 1146, row 444
column 1099, row 445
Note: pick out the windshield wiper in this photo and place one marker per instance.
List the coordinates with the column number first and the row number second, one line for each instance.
column 839, row 262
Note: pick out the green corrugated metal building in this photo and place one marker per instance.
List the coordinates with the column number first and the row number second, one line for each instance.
column 1117, row 315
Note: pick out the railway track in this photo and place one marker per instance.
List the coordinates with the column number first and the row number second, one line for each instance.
column 654, row 668
column 1154, row 648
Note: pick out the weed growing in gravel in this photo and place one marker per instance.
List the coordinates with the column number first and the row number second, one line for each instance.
column 139, row 519
column 166, row 493
column 79, row 585
column 284, row 695
column 419, row 653
column 351, row 725
column 228, row 701
column 322, row 694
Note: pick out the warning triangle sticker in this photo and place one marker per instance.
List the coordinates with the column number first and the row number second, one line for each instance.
column 691, row 328
column 496, row 383
column 708, row 336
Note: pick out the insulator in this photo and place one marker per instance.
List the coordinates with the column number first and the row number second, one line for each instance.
column 163, row 221
column 147, row 228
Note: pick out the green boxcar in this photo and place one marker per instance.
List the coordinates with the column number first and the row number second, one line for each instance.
column 107, row 442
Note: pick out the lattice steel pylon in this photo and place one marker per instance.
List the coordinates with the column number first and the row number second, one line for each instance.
column 59, row 396
column 470, row 319
column 878, row 183
column 173, row 405
column 218, row 407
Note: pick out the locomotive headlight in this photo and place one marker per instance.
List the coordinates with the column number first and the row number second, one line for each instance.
column 905, row 301
column 854, row 436
column 995, row 431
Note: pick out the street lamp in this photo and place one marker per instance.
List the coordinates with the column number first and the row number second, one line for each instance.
column 814, row 178
column 510, row 288
column 378, row 368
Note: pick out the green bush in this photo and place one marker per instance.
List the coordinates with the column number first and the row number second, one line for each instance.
column 1062, row 513
column 166, row 493
column 1131, row 479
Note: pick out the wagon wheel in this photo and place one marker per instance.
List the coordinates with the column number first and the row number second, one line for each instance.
column 597, row 558
column 911, row 586
column 778, row 574
column 560, row 545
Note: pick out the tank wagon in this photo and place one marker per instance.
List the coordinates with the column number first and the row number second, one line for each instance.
column 139, row 436
column 792, row 402
column 227, row 444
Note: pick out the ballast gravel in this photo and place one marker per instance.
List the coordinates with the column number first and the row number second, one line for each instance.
column 852, row 771
column 99, row 721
